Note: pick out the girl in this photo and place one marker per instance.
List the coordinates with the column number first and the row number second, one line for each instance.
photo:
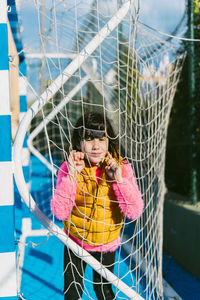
column 94, row 190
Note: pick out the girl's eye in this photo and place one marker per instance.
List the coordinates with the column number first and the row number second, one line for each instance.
column 102, row 139
column 88, row 139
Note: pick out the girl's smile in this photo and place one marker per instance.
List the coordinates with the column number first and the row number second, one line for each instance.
column 95, row 154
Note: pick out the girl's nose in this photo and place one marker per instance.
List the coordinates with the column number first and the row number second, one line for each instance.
column 95, row 143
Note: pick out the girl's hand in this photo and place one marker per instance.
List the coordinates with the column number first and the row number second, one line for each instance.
column 76, row 163
column 113, row 169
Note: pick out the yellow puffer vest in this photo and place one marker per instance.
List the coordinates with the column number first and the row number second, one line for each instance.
column 96, row 218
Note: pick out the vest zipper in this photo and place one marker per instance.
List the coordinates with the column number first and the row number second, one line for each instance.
column 94, row 203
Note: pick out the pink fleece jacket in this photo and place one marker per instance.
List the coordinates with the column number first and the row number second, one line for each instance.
column 127, row 193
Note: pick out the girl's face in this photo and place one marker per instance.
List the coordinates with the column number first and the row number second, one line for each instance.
column 95, row 149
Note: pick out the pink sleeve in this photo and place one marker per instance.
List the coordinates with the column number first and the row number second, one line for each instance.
column 63, row 199
column 128, row 194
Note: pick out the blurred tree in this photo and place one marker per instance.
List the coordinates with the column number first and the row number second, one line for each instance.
column 197, row 90
column 178, row 146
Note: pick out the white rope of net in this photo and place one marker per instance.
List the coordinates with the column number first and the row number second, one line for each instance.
column 121, row 69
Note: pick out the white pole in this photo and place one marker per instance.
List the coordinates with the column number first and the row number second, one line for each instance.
column 8, row 278
column 49, row 55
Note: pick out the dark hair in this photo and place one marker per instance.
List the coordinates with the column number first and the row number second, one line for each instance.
column 94, row 125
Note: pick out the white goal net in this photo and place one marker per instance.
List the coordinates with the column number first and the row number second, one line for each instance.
column 95, row 56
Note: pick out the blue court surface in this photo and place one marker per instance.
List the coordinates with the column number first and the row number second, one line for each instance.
column 42, row 267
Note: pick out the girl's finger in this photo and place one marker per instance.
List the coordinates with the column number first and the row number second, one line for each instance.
column 77, row 156
column 71, row 157
column 113, row 163
column 80, row 155
column 109, row 155
column 111, row 160
column 72, row 153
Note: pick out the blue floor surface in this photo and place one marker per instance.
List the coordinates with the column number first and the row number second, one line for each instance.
column 184, row 283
